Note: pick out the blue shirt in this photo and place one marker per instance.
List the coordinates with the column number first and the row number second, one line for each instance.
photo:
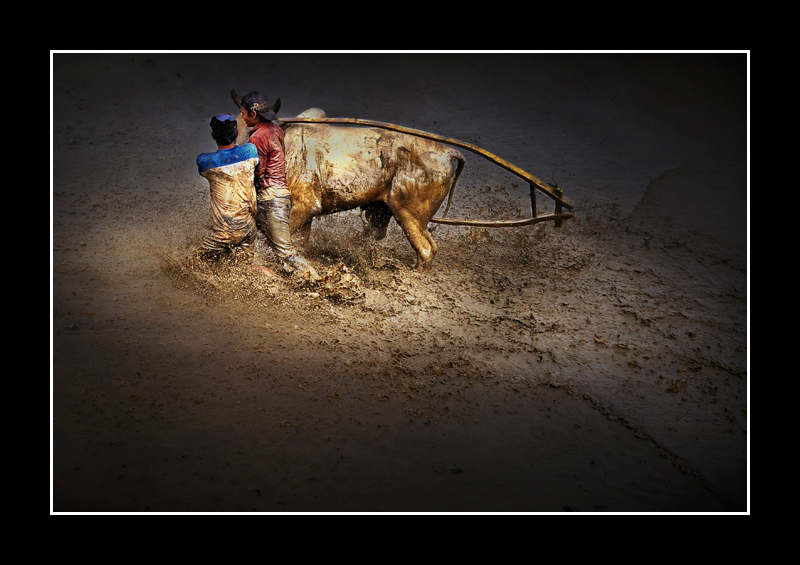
column 222, row 157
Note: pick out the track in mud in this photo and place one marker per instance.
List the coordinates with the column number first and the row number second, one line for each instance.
column 477, row 344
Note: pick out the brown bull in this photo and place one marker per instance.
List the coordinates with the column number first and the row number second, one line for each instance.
column 387, row 174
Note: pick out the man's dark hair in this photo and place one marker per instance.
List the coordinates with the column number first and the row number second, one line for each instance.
column 224, row 128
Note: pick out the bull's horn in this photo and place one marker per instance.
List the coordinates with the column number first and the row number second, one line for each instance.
column 276, row 106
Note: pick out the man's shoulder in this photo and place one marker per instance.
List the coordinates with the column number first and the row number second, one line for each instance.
column 205, row 161
column 248, row 151
column 224, row 157
column 266, row 130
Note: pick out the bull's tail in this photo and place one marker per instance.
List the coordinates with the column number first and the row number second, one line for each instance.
column 460, row 162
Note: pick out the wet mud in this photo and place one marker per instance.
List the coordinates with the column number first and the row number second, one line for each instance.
column 597, row 367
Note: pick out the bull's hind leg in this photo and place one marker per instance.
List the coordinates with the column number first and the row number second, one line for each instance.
column 418, row 236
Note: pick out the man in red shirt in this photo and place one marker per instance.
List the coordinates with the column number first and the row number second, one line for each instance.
column 273, row 195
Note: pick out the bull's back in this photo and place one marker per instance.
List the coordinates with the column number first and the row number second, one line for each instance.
column 346, row 167
column 342, row 166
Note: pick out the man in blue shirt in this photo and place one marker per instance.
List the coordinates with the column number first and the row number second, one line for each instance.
column 230, row 172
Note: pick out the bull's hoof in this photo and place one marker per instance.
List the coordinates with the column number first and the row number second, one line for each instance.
column 425, row 260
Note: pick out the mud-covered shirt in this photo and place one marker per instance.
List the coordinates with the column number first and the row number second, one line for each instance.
column 230, row 173
column 271, row 171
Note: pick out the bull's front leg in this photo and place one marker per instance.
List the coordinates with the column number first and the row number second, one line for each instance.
column 302, row 234
column 301, row 217
column 378, row 217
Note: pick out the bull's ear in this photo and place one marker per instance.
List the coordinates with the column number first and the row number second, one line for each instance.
column 276, row 106
column 236, row 98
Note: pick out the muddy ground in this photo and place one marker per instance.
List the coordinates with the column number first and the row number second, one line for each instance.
column 598, row 367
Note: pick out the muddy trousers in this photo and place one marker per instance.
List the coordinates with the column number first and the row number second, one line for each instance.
column 272, row 219
column 219, row 241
